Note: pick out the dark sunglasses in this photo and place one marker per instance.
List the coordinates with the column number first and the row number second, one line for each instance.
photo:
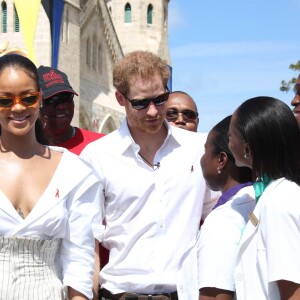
column 144, row 103
column 187, row 115
column 26, row 100
column 59, row 98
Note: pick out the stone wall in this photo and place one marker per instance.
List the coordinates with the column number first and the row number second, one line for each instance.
column 101, row 22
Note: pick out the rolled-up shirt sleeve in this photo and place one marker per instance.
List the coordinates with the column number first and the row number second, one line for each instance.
column 85, row 207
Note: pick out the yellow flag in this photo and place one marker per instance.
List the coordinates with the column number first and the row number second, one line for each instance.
column 28, row 11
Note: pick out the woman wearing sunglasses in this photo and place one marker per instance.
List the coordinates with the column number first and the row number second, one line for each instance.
column 47, row 200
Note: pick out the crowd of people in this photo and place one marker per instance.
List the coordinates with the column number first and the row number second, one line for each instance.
column 154, row 210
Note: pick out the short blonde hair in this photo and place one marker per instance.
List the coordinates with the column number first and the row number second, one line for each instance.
column 138, row 63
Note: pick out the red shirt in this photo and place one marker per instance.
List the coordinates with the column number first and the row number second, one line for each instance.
column 82, row 137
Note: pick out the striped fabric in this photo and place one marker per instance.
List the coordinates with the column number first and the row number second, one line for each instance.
column 28, row 269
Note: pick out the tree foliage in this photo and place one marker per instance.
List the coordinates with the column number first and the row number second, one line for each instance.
column 287, row 85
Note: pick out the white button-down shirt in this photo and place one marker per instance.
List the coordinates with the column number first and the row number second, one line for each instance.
column 152, row 216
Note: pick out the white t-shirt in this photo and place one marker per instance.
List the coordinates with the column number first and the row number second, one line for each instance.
column 152, row 216
column 269, row 251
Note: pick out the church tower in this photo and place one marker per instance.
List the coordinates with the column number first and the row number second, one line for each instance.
column 141, row 25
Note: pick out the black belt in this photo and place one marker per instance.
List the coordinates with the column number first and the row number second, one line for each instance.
column 136, row 296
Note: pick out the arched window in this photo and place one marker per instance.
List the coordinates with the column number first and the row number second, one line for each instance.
column 149, row 14
column 88, row 52
column 66, row 27
column 94, row 57
column 127, row 13
column 17, row 22
column 99, row 59
column 4, row 16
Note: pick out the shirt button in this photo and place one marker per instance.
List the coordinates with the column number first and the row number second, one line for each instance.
column 239, row 277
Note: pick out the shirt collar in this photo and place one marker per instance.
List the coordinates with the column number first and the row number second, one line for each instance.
column 231, row 192
column 128, row 141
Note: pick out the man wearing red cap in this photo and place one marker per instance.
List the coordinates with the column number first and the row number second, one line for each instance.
column 58, row 110
column 57, row 113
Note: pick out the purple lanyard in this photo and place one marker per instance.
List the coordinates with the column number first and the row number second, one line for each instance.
column 231, row 192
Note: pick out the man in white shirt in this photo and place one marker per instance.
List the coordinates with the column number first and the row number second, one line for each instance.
column 155, row 193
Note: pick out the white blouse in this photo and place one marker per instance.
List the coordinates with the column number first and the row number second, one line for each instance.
column 269, row 247
column 70, row 209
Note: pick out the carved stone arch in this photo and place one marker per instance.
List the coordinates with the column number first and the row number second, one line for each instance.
column 107, row 125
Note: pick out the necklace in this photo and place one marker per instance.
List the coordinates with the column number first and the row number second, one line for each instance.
column 73, row 132
column 146, row 161
column 60, row 139
column 21, row 213
column 153, row 166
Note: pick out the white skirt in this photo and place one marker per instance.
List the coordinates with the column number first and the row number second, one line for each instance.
column 28, row 269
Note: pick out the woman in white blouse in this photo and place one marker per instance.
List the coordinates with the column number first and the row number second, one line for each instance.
column 221, row 230
column 264, row 135
column 48, row 200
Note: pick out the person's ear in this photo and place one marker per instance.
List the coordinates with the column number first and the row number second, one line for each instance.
column 247, row 151
column 120, row 98
column 222, row 161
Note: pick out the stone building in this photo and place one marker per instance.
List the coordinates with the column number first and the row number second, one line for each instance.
column 94, row 35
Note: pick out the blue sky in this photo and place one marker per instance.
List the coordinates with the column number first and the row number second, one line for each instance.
column 225, row 52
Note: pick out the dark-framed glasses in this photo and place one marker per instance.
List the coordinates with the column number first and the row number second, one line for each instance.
column 7, row 102
column 60, row 98
column 187, row 115
column 144, row 103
